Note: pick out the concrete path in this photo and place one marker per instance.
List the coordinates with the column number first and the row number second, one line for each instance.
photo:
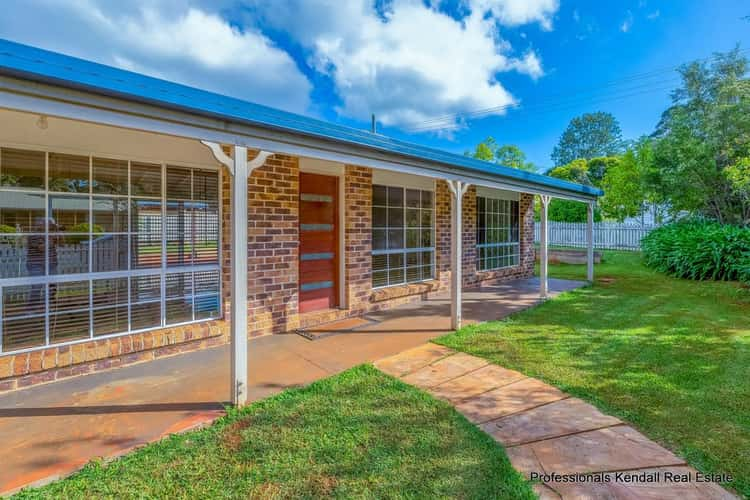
column 548, row 434
column 51, row 430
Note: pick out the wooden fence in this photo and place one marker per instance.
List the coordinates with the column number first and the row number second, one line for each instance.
column 607, row 235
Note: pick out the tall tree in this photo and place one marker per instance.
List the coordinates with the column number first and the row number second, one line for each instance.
column 624, row 186
column 511, row 155
column 508, row 155
column 587, row 172
column 588, row 136
column 703, row 146
column 485, row 150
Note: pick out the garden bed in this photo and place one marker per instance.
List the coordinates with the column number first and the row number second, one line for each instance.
column 569, row 256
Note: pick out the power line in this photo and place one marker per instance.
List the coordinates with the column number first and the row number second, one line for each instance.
column 547, row 106
column 639, row 76
column 448, row 120
column 508, row 106
column 598, row 101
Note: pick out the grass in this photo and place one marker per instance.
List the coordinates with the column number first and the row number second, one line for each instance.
column 670, row 356
column 357, row 434
column 174, row 247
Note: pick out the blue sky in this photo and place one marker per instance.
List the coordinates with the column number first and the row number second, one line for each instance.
column 419, row 65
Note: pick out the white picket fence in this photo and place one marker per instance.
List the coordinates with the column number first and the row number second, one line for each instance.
column 70, row 259
column 607, row 235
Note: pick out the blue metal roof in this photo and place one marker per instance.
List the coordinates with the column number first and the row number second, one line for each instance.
column 51, row 67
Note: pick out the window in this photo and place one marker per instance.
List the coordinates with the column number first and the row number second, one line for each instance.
column 497, row 233
column 95, row 246
column 403, row 239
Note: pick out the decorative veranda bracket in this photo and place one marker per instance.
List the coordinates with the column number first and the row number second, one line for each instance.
column 225, row 160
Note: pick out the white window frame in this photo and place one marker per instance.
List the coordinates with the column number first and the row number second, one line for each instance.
column 163, row 270
column 488, row 195
column 404, row 251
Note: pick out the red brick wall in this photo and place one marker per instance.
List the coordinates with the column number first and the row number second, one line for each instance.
column 357, row 237
column 226, row 241
column 56, row 363
column 443, row 232
column 469, row 227
column 273, row 247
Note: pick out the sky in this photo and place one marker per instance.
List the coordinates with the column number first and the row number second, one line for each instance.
column 442, row 73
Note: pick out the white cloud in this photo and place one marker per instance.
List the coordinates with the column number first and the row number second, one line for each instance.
column 627, row 23
column 518, row 12
column 415, row 62
column 408, row 62
column 576, row 16
column 172, row 40
column 530, row 64
column 653, row 15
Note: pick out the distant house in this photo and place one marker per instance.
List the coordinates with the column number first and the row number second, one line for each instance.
column 196, row 219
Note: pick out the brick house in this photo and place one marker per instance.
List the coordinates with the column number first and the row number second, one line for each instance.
column 141, row 218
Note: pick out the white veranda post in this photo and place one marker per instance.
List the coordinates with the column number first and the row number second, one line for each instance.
column 458, row 189
column 590, row 242
column 239, row 277
column 240, row 168
column 543, row 244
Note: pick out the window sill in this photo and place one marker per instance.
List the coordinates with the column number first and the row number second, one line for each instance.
column 397, row 291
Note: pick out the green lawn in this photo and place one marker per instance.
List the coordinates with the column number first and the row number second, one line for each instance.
column 670, row 356
column 357, row 434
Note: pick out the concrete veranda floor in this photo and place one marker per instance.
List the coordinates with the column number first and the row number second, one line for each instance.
column 52, row 430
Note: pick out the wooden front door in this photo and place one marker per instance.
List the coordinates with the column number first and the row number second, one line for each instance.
column 318, row 242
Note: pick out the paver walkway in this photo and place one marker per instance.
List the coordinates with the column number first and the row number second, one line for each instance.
column 545, row 431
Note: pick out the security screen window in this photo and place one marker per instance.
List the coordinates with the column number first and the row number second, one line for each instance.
column 497, row 233
column 403, row 241
column 93, row 246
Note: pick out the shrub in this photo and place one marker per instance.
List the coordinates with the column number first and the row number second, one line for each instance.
column 78, row 232
column 699, row 250
column 85, row 227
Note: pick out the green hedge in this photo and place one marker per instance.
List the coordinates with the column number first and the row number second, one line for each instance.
column 699, row 250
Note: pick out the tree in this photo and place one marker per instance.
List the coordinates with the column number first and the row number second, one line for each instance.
column 703, row 141
column 511, row 155
column 575, row 171
column 588, row 136
column 623, row 189
column 587, row 172
column 508, row 155
column 627, row 192
column 739, row 176
column 485, row 150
